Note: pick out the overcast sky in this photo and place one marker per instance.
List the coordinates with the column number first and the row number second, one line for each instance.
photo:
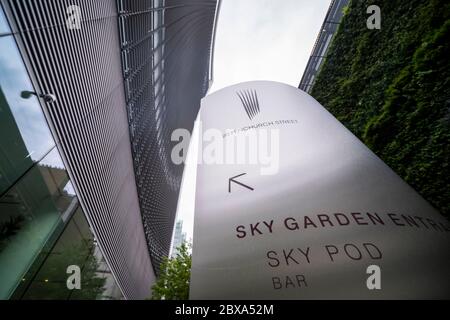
column 256, row 40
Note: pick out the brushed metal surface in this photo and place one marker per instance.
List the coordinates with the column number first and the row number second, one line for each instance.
column 324, row 169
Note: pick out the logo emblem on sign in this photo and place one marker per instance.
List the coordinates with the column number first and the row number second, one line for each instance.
column 249, row 100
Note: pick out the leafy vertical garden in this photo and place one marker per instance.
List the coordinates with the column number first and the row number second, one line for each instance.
column 391, row 88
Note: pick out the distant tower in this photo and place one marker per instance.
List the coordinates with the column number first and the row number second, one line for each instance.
column 178, row 238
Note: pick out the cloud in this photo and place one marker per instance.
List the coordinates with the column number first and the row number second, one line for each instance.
column 265, row 40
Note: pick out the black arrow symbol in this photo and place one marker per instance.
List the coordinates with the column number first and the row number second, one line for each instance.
column 232, row 179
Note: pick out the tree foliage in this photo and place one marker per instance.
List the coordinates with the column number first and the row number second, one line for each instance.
column 391, row 87
column 173, row 281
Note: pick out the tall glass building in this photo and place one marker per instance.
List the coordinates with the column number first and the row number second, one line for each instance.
column 90, row 92
column 323, row 41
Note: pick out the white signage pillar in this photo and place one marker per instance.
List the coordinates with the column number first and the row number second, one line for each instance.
column 305, row 210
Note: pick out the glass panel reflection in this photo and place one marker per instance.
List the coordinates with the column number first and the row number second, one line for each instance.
column 30, row 217
column 74, row 247
column 25, row 137
column 4, row 26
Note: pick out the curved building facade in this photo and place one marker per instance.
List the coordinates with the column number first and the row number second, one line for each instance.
column 110, row 80
column 166, row 73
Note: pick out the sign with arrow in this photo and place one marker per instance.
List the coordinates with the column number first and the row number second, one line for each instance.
column 233, row 179
column 332, row 222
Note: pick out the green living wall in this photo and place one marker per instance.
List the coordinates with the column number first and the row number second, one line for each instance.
column 391, row 87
